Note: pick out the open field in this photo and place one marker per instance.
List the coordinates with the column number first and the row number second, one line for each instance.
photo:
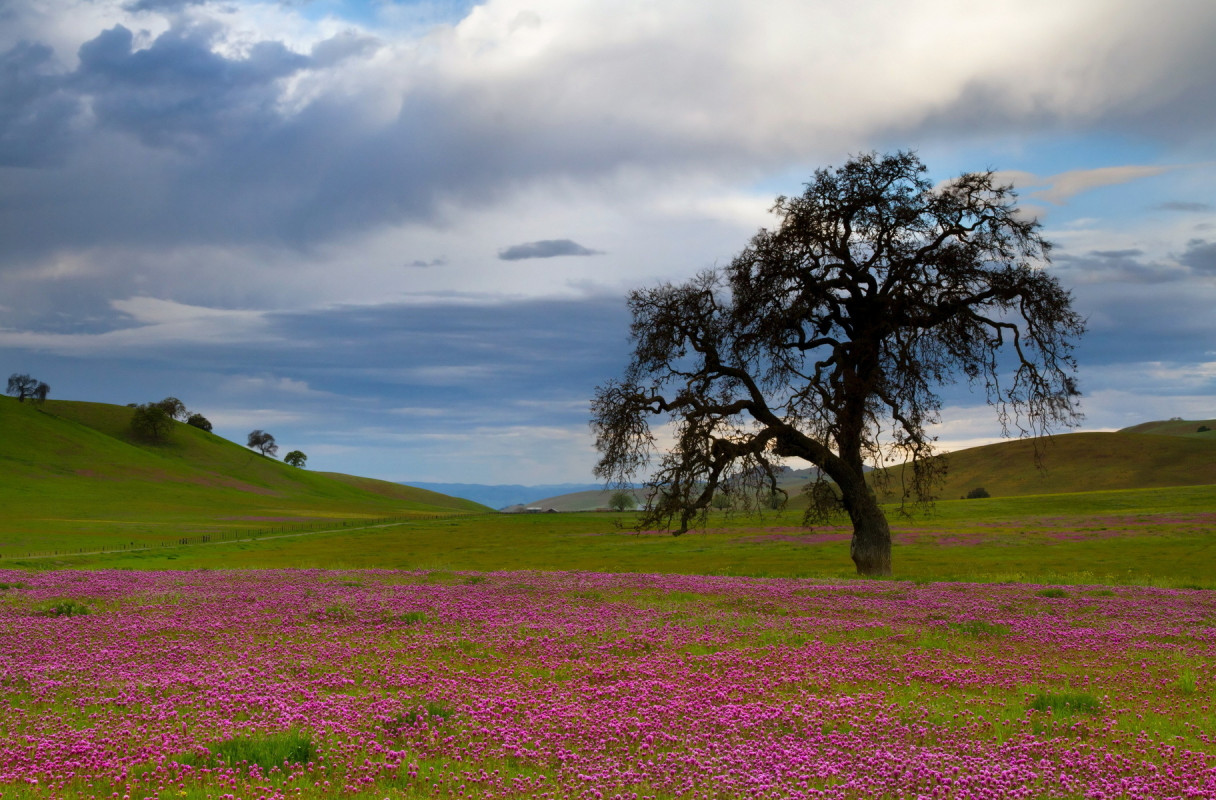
column 1164, row 537
column 74, row 477
column 383, row 684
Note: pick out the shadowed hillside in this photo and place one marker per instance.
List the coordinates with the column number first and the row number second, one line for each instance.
column 75, row 468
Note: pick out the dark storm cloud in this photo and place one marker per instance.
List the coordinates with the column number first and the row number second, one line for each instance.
column 180, row 92
column 546, row 248
column 1200, row 255
column 1143, row 309
column 1124, row 266
column 36, row 111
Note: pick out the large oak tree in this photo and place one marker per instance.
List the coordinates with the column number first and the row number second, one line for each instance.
column 826, row 340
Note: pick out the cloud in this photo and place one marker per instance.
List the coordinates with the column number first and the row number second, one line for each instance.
column 145, row 325
column 1061, row 187
column 547, row 248
column 1200, row 256
column 434, row 262
column 1184, row 206
column 36, row 109
column 260, row 123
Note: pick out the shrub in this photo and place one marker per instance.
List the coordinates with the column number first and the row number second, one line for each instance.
column 622, row 501
column 977, row 494
column 199, row 421
column 1203, row 429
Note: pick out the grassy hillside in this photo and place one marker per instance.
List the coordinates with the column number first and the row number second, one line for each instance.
column 1082, row 462
column 73, row 472
column 1176, row 427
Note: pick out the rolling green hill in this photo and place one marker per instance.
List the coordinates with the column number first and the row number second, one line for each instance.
column 1082, row 462
column 73, row 471
column 1177, row 427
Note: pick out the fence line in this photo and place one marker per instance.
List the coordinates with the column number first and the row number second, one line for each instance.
column 244, row 535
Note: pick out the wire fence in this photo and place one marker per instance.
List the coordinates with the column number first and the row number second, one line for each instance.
column 239, row 535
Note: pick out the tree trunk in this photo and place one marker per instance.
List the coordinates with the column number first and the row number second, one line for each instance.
column 871, row 544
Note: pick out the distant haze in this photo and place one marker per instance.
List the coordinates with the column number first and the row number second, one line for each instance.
column 503, row 495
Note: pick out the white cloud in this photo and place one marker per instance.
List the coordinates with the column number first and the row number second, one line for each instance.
column 1059, row 188
column 158, row 323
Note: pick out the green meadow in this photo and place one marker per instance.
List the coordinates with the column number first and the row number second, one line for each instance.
column 77, row 482
column 1164, row 537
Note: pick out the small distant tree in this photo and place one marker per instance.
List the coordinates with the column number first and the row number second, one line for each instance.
column 979, row 493
column 295, row 458
column 40, row 392
column 263, row 442
column 199, row 421
column 622, row 501
column 149, row 421
column 22, row 385
column 721, row 501
column 1203, row 429
column 175, row 408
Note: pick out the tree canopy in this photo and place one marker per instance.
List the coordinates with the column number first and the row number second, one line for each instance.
column 150, row 421
column 295, row 458
column 825, row 340
column 263, row 442
column 199, row 421
column 175, row 408
column 24, row 386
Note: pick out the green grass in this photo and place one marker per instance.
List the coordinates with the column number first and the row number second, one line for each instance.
column 76, row 481
column 74, row 478
column 1162, row 537
column 62, row 608
column 265, row 751
column 1065, row 702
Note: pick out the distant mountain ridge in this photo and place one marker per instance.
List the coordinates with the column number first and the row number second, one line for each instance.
column 503, row 495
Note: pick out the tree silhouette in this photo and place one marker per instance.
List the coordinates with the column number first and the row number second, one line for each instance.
column 22, row 385
column 825, row 339
column 263, row 442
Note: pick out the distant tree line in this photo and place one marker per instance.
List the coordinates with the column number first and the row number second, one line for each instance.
column 154, row 421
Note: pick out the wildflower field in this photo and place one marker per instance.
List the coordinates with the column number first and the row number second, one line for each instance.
column 415, row 684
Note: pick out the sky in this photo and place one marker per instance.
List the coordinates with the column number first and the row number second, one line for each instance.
column 399, row 235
